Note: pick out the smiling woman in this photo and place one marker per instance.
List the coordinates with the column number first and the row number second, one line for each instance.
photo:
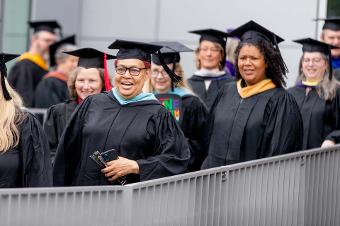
column 318, row 95
column 146, row 137
column 87, row 79
column 253, row 117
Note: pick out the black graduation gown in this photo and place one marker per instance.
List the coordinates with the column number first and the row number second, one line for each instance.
column 28, row 164
column 50, row 91
column 24, row 78
column 143, row 131
column 56, row 119
column 193, row 121
column 263, row 125
column 208, row 96
column 321, row 119
column 336, row 74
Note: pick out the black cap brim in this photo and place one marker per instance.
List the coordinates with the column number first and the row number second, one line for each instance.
column 45, row 25
column 90, row 58
column 134, row 50
column 170, row 52
column 252, row 31
column 54, row 47
column 331, row 23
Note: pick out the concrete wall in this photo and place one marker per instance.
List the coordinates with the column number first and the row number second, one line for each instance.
column 98, row 23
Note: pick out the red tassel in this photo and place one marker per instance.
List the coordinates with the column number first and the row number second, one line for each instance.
column 107, row 82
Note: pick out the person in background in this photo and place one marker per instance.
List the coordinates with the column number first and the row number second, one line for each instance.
column 318, row 95
column 254, row 117
column 191, row 112
column 52, row 89
column 87, row 79
column 331, row 36
column 24, row 153
column 230, row 52
column 32, row 65
column 146, row 138
column 210, row 60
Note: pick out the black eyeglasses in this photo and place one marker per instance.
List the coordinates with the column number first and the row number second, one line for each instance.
column 134, row 71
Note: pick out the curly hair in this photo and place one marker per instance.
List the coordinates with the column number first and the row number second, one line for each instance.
column 276, row 68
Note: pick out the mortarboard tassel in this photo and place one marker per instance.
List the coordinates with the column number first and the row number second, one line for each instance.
column 330, row 64
column 107, row 82
column 282, row 63
column 174, row 78
column 3, row 71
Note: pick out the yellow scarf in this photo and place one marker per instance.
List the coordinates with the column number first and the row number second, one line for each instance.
column 252, row 90
column 35, row 58
column 306, row 83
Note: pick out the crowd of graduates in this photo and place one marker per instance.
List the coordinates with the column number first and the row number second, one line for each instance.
column 149, row 120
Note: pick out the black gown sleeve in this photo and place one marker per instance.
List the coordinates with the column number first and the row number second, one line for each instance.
column 50, row 91
column 171, row 152
column 335, row 115
column 66, row 160
column 208, row 129
column 37, row 168
column 21, row 79
column 51, row 130
column 194, row 121
column 283, row 131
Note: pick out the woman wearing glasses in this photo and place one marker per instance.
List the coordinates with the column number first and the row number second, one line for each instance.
column 87, row 79
column 192, row 113
column 210, row 60
column 318, row 95
column 147, row 139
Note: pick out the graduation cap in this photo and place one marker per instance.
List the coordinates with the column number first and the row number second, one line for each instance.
column 141, row 51
column 212, row 35
column 90, row 57
column 252, row 32
column 93, row 58
column 5, row 57
column 331, row 23
column 54, row 47
column 45, row 25
column 312, row 45
column 134, row 50
column 170, row 52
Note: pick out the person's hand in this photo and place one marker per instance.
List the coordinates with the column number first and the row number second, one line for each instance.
column 119, row 168
column 327, row 143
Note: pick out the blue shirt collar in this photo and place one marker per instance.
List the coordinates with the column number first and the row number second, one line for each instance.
column 140, row 97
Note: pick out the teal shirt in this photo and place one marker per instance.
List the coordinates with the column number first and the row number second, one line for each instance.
column 140, row 97
column 181, row 92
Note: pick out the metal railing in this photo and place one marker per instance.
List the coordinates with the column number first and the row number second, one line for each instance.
column 296, row 189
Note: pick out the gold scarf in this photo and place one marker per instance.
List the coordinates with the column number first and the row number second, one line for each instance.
column 35, row 58
column 257, row 88
column 306, row 83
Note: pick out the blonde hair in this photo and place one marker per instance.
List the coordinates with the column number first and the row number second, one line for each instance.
column 71, row 83
column 182, row 84
column 223, row 56
column 327, row 88
column 231, row 47
column 10, row 120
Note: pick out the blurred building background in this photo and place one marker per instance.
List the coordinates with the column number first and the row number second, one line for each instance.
column 98, row 23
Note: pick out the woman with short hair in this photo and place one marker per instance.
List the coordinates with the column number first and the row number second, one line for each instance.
column 146, row 139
